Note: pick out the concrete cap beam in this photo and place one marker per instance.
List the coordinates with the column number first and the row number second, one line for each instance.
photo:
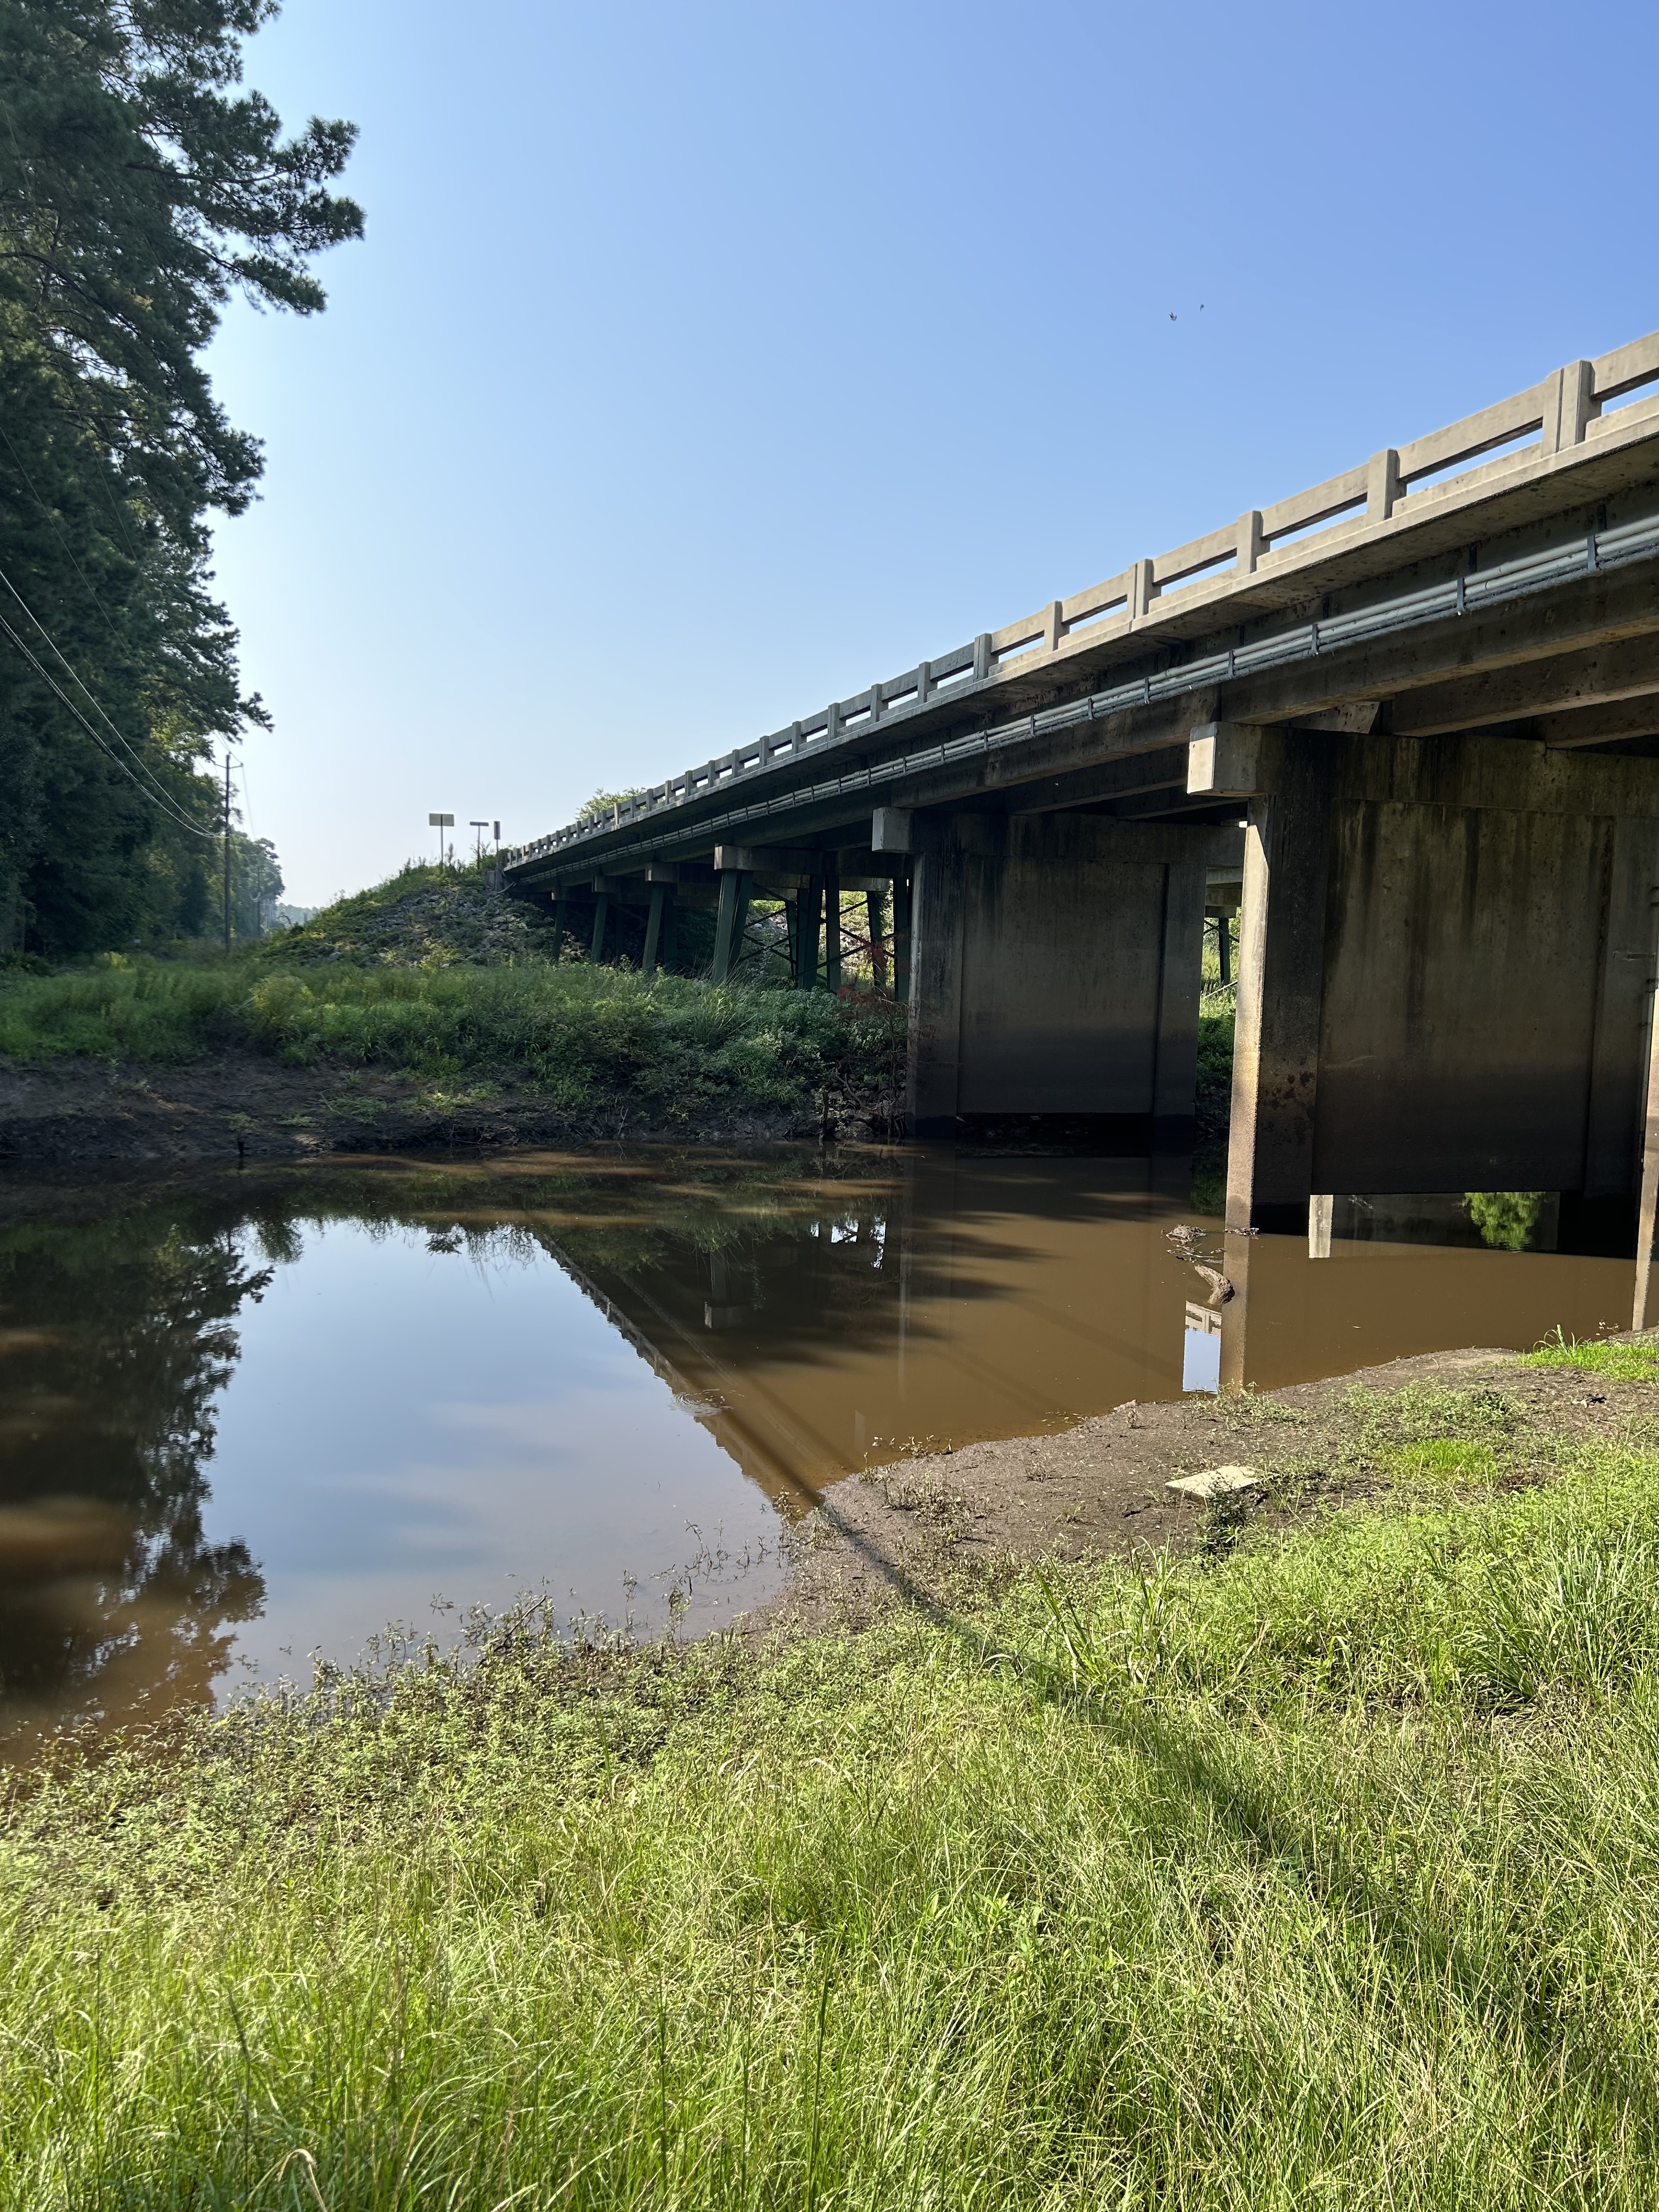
column 861, row 860
column 1356, row 719
column 771, row 860
column 1225, row 760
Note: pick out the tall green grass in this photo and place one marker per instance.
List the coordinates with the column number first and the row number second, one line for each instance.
column 1624, row 1362
column 1323, row 1874
column 591, row 1036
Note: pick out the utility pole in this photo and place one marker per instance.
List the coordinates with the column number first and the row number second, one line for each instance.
column 227, row 848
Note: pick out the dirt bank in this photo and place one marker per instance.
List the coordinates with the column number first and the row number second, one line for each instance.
column 946, row 1529
column 243, row 1106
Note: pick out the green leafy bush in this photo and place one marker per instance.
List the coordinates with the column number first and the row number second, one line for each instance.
column 593, row 1037
column 1505, row 1219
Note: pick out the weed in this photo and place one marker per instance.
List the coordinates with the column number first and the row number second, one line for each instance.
column 1441, row 1463
column 1623, row 1362
column 1317, row 1871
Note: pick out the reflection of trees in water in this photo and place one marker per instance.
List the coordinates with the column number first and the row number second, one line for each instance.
column 116, row 1312
column 116, row 1336
column 118, row 1339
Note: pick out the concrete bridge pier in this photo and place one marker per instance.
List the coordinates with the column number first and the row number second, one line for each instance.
column 1447, row 955
column 832, row 944
column 810, row 881
column 732, row 919
column 902, row 904
column 1055, row 967
column 659, row 921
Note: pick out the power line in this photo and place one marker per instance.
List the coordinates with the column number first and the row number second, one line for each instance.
column 165, row 795
column 156, row 798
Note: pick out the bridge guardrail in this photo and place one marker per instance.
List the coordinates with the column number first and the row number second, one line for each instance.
column 1635, row 541
column 1569, row 408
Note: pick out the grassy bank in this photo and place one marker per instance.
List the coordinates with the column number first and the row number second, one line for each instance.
column 593, row 1039
column 436, row 976
column 1317, row 1869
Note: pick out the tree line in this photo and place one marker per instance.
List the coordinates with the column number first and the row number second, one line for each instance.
column 141, row 187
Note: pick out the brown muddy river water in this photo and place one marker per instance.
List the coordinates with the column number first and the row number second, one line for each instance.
column 248, row 1418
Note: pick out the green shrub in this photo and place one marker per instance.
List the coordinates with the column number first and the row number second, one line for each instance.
column 590, row 1036
column 1505, row 1219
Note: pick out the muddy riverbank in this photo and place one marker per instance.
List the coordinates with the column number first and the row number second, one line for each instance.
column 951, row 1529
column 245, row 1105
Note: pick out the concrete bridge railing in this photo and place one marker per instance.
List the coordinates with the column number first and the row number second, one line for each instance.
column 1534, row 430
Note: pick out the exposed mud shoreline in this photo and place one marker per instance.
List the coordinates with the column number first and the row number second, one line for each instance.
column 946, row 1530
column 241, row 1105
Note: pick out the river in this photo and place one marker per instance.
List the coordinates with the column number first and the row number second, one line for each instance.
column 250, row 1418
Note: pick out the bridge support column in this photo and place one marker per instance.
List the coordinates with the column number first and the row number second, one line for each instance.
column 730, row 922
column 601, row 916
column 658, row 930
column 808, row 905
column 1057, row 968
column 934, row 1076
column 1281, row 945
column 901, row 940
column 1446, row 963
column 875, row 909
column 832, row 947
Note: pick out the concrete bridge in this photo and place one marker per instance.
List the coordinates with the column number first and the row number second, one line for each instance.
column 1410, row 716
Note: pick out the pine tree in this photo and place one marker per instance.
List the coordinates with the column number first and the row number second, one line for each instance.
column 140, row 188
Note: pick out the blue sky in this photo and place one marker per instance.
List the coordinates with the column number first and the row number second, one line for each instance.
column 699, row 364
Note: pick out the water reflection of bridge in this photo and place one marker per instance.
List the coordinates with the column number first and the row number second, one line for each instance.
column 738, row 1434
column 955, row 1298
column 971, row 1296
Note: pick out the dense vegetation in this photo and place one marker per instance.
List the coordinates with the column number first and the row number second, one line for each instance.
column 139, row 190
column 595, row 1039
column 1314, row 1869
column 435, row 975
column 422, row 916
